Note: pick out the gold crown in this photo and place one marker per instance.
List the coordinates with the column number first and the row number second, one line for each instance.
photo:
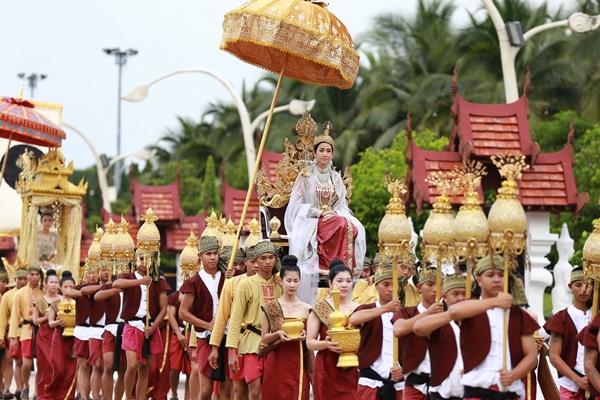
column 148, row 237
column 189, row 256
column 324, row 137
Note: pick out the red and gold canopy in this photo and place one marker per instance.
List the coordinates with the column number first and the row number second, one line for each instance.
column 20, row 121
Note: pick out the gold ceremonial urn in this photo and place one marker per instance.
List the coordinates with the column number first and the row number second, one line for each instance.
column 293, row 327
column 66, row 313
column 347, row 338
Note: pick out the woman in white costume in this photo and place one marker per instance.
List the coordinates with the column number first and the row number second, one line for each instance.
column 319, row 224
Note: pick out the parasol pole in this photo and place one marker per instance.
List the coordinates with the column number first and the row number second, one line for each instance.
column 261, row 147
column 595, row 300
column 5, row 161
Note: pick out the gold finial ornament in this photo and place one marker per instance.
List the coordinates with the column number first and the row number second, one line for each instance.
column 124, row 248
column 212, row 226
column 148, row 237
column 255, row 235
column 95, row 251
column 189, row 257
column 438, row 232
column 228, row 234
column 347, row 338
column 395, row 232
column 148, row 244
column 471, row 229
column 275, row 224
column 507, row 219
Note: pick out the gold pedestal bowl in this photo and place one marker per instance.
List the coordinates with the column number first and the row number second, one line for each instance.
column 348, row 340
column 293, row 327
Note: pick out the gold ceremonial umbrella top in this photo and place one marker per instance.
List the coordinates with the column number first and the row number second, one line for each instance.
column 300, row 37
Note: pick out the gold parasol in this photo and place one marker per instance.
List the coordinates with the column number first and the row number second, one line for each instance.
column 300, row 39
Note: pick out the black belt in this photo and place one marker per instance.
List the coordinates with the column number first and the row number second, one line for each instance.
column 437, row 396
column 487, row 394
column 252, row 329
column 83, row 325
column 414, row 379
column 387, row 391
column 97, row 326
column 26, row 322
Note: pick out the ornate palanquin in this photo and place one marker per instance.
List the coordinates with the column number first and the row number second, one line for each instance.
column 274, row 192
column 44, row 184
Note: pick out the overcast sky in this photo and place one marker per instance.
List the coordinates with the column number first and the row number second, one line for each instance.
column 64, row 39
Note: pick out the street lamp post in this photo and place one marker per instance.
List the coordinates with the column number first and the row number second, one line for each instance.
column 120, row 59
column 108, row 193
column 510, row 46
column 32, row 81
column 296, row 107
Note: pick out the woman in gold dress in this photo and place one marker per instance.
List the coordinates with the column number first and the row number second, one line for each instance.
column 283, row 334
column 47, row 240
column 325, row 371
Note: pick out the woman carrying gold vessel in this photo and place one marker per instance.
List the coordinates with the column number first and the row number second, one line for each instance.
column 325, row 370
column 61, row 320
column 320, row 226
column 287, row 363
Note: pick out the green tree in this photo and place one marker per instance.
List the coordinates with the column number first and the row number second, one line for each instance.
column 210, row 198
column 369, row 195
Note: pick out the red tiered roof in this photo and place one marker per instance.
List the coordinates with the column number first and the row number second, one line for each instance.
column 177, row 234
column 550, row 183
column 233, row 203
column 484, row 130
column 164, row 200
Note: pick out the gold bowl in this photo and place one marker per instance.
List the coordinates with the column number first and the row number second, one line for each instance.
column 293, row 327
column 349, row 341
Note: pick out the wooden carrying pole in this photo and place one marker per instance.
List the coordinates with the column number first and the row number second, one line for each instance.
column 261, row 148
column 395, row 296
column 505, row 327
column 595, row 299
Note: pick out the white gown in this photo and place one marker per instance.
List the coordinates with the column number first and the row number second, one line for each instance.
column 301, row 221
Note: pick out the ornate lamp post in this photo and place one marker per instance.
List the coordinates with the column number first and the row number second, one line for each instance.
column 471, row 228
column 591, row 262
column 395, row 236
column 508, row 223
column 438, row 232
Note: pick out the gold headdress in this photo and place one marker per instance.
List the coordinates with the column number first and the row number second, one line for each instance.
column 148, row 244
column 324, row 137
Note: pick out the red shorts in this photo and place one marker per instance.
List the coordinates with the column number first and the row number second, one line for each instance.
column 82, row 349
column 15, row 351
column 108, row 342
column 566, row 394
column 237, row 376
column 410, row 393
column 95, row 349
column 178, row 358
column 133, row 340
column 26, row 348
column 369, row 393
column 253, row 367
